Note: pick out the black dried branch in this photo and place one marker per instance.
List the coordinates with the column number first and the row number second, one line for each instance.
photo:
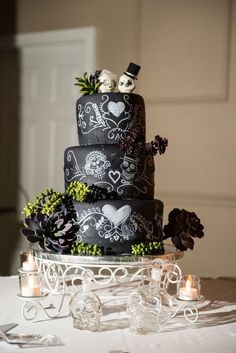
column 135, row 144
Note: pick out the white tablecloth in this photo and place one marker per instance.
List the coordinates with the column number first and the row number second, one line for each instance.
column 215, row 330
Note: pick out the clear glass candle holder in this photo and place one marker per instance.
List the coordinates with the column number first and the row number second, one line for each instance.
column 30, row 284
column 188, row 287
column 24, row 256
column 28, row 262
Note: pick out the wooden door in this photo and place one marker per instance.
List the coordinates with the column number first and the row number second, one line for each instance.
column 49, row 63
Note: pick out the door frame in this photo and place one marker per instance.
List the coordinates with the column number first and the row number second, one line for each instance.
column 86, row 34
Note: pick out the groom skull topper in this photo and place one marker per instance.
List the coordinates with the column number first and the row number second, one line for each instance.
column 127, row 80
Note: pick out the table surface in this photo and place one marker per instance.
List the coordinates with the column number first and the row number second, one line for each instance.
column 215, row 330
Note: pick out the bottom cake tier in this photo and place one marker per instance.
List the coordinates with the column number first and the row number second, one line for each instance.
column 116, row 225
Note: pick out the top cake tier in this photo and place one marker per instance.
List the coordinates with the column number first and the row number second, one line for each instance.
column 106, row 118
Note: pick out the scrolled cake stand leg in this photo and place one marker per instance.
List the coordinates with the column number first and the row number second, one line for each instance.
column 33, row 306
column 173, row 271
column 190, row 312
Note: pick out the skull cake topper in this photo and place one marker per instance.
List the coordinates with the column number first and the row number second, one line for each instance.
column 108, row 81
column 127, row 80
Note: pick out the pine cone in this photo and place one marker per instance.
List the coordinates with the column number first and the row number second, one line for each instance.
column 182, row 226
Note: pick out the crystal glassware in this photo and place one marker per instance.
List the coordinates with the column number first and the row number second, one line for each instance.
column 30, row 283
column 149, row 306
column 85, row 306
column 24, row 256
column 188, row 287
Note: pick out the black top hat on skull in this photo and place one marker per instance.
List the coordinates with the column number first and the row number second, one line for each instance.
column 132, row 71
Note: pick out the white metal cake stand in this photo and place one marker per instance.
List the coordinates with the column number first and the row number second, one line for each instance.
column 62, row 275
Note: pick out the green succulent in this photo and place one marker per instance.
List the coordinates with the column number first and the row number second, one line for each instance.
column 81, row 248
column 148, row 248
column 88, row 84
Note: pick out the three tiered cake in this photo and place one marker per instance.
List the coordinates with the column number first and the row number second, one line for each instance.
column 104, row 119
column 108, row 206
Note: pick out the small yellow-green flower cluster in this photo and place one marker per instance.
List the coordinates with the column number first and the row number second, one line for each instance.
column 45, row 202
column 80, row 248
column 148, row 248
column 77, row 190
column 54, row 200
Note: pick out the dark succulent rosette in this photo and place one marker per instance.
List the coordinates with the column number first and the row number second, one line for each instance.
column 51, row 219
column 55, row 232
column 183, row 226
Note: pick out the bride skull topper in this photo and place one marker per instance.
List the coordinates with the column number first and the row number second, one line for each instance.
column 108, row 81
column 127, row 80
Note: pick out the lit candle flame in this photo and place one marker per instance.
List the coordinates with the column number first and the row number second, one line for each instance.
column 189, row 282
column 30, row 258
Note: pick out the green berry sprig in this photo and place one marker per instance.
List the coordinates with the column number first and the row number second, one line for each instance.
column 81, row 192
column 88, row 84
column 77, row 190
column 81, row 248
column 45, row 202
column 148, row 248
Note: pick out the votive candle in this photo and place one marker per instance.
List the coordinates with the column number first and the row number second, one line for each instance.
column 188, row 287
column 30, row 264
column 30, row 285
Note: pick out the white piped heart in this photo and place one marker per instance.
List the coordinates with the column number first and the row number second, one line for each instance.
column 116, row 108
column 116, row 216
column 114, row 175
column 85, row 227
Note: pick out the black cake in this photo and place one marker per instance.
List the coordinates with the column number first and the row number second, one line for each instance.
column 103, row 120
column 108, row 207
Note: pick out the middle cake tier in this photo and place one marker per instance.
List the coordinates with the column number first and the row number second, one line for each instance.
column 131, row 176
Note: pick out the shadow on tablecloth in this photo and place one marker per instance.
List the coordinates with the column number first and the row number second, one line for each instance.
column 211, row 313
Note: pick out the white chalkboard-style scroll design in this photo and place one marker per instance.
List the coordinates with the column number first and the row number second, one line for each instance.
column 75, row 172
column 133, row 176
column 96, row 164
column 129, row 175
column 105, row 117
column 115, row 225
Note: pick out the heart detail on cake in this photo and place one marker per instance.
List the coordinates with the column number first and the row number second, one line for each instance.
column 116, row 108
column 84, row 228
column 116, row 216
column 114, row 175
